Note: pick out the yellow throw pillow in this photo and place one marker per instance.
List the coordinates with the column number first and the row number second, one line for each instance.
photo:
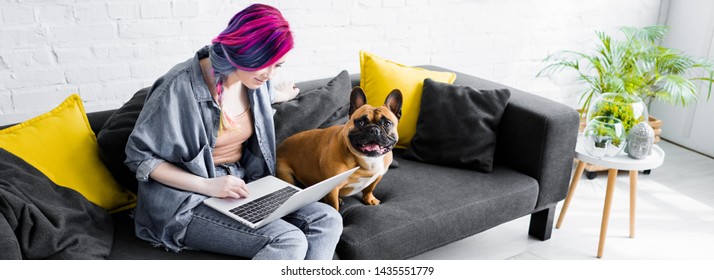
column 62, row 145
column 379, row 76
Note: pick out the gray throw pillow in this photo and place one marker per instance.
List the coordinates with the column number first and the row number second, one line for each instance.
column 113, row 136
column 457, row 125
column 318, row 108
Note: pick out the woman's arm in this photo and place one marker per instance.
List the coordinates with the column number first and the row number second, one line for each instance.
column 225, row 186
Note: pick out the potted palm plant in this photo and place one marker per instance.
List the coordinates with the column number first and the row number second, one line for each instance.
column 636, row 65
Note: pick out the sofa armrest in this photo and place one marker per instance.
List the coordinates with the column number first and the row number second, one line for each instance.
column 536, row 136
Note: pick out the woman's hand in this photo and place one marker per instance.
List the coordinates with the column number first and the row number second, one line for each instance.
column 225, row 186
column 285, row 91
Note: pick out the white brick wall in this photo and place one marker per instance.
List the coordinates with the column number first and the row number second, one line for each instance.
column 106, row 50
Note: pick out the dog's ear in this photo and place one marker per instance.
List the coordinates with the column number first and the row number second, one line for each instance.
column 357, row 99
column 394, row 102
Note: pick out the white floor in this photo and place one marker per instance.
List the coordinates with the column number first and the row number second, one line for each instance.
column 675, row 220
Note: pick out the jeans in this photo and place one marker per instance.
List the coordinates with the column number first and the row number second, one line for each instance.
column 309, row 233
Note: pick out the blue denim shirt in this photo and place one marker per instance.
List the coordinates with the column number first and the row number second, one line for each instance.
column 179, row 124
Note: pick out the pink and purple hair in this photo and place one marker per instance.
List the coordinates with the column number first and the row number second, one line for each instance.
column 256, row 37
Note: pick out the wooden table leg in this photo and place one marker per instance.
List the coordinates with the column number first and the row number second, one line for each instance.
column 611, row 178
column 633, row 198
column 573, row 184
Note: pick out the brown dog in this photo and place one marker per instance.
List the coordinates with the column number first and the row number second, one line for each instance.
column 366, row 140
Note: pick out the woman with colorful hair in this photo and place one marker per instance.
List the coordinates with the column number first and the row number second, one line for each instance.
column 206, row 129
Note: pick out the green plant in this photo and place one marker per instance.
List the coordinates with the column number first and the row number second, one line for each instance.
column 619, row 106
column 605, row 129
column 636, row 65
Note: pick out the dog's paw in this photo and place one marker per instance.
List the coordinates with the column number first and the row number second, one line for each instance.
column 373, row 201
column 370, row 200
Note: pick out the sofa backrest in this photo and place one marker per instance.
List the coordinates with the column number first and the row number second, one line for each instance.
column 313, row 84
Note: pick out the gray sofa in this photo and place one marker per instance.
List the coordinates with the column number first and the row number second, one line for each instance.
column 425, row 206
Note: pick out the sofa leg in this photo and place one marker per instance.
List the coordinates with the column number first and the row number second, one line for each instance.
column 542, row 223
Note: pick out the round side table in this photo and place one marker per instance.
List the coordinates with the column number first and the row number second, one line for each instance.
column 619, row 162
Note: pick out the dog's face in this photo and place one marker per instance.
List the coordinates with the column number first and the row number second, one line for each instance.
column 371, row 131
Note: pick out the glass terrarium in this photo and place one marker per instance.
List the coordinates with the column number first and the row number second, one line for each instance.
column 629, row 109
column 604, row 136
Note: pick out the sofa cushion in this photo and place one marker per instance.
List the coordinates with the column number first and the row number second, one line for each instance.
column 380, row 76
column 113, row 136
column 457, row 125
column 420, row 200
column 320, row 107
column 553, row 128
column 62, row 145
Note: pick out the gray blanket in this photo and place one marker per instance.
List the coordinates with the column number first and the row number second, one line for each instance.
column 41, row 220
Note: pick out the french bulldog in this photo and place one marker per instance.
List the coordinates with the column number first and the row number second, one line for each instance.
column 366, row 140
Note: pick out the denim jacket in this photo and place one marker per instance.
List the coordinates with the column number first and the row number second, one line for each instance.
column 179, row 124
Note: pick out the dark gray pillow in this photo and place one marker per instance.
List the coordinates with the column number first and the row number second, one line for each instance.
column 457, row 125
column 321, row 107
column 113, row 136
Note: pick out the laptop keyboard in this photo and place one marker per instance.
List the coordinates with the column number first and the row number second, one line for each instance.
column 260, row 208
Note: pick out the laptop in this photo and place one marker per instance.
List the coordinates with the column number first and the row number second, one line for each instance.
column 271, row 199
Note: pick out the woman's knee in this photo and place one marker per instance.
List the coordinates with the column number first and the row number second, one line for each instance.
column 291, row 244
column 330, row 220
